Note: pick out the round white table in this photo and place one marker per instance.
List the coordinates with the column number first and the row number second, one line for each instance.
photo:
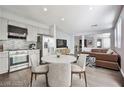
column 61, row 59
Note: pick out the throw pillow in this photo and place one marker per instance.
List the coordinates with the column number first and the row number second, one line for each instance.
column 110, row 51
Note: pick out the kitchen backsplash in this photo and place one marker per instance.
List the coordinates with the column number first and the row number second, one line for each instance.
column 12, row 44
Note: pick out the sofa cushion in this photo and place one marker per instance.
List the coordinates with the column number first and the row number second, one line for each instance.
column 107, row 64
column 99, row 50
column 105, row 57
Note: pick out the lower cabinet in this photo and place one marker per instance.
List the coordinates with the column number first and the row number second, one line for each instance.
column 35, row 53
column 4, row 66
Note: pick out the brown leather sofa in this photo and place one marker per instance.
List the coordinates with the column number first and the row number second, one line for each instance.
column 105, row 60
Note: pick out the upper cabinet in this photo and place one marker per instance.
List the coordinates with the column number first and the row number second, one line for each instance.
column 32, row 33
column 3, row 29
column 18, row 24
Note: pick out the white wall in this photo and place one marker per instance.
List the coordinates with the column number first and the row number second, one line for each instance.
column 68, row 37
column 77, row 39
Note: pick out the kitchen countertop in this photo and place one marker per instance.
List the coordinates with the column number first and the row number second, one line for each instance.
column 18, row 50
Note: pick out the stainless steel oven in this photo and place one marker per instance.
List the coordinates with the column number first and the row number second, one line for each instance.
column 18, row 58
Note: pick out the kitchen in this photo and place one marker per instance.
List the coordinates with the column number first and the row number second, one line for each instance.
column 18, row 41
column 36, row 33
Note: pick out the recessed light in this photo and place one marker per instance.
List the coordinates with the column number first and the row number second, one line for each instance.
column 45, row 9
column 95, row 25
column 62, row 19
column 90, row 8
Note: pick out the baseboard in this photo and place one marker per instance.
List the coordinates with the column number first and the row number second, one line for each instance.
column 122, row 72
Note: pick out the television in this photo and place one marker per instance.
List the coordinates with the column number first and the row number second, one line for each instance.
column 60, row 43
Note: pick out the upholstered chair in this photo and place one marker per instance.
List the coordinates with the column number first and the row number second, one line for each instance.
column 79, row 67
column 37, row 69
column 59, row 75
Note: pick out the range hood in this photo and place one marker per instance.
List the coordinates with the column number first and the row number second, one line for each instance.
column 17, row 32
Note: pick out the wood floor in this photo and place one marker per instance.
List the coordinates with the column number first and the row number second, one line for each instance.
column 96, row 77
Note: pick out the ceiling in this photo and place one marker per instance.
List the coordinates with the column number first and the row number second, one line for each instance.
column 77, row 18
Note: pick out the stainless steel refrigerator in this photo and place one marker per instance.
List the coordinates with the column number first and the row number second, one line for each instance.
column 45, row 44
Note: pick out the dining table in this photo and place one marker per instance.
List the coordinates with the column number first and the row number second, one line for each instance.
column 59, row 59
column 59, row 69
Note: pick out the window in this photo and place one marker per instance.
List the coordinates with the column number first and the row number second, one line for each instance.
column 116, row 37
column 99, row 43
column 107, row 42
column 103, row 40
column 118, row 34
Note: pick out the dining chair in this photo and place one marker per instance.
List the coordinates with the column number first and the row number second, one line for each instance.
column 37, row 69
column 79, row 67
column 59, row 75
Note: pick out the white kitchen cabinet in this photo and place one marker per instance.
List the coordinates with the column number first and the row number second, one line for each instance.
column 18, row 24
column 4, row 62
column 3, row 29
column 32, row 33
column 35, row 53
